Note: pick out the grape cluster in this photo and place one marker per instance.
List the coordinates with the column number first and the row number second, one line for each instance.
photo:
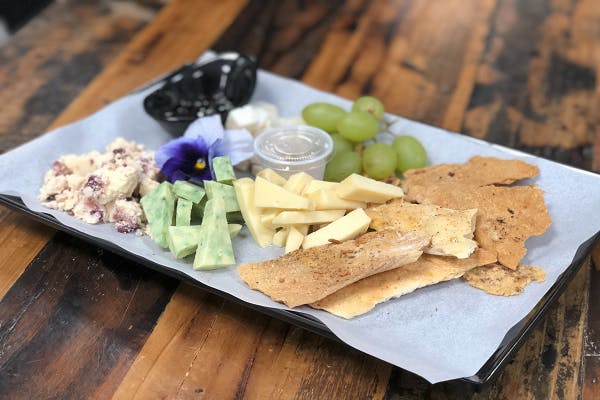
column 350, row 129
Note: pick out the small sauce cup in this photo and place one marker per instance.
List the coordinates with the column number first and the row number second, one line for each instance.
column 295, row 148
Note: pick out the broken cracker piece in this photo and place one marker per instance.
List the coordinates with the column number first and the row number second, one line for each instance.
column 451, row 231
column 501, row 281
column 307, row 275
column 364, row 295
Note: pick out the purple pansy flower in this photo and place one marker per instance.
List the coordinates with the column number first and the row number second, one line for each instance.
column 190, row 156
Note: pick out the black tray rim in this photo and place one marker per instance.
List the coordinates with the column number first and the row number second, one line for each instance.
column 511, row 343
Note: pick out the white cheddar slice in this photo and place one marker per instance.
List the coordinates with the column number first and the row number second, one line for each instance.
column 244, row 191
column 297, row 182
column 280, row 237
column 272, row 176
column 345, row 228
column 329, row 200
column 316, row 184
column 285, row 218
column 294, row 240
column 360, row 188
column 267, row 194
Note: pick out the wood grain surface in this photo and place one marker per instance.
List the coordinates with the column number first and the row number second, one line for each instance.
column 79, row 322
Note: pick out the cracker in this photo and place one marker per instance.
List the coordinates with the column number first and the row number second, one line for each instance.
column 307, row 275
column 478, row 171
column 500, row 281
column 451, row 231
column 364, row 295
column 506, row 218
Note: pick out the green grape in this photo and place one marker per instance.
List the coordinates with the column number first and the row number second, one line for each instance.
column 369, row 104
column 342, row 165
column 379, row 161
column 340, row 144
column 323, row 115
column 411, row 153
column 358, row 126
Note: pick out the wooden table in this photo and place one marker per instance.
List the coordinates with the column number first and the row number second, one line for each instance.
column 79, row 322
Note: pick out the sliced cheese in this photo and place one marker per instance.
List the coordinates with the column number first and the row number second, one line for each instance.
column 267, row 215
column 285, row 218
column 329, row 200
column 316, row 184
column 297, row 182
column 302, row 228
column 272, row 176
column 294, row 240
column 268, row 194
column 345, row 228
column 244, row 190
column 360, row 188
column 280, row 237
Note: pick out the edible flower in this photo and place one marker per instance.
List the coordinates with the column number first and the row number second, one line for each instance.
column 190, row 156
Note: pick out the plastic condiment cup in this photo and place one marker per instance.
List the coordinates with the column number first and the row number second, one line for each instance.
column 294, row 148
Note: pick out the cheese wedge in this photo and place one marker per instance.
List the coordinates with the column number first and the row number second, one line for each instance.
column 302, row 228
column 297, row 182
column 267, row 216
column 345, row 228
column 280, row 237
column 244, row 190
column 268, row 194
column 272, row 176
column 307, row 217
column 329, row 200
column 294, row 240
column 360, row 188
column 316, row 184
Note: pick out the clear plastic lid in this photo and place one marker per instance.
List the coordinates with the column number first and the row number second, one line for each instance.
column 293, row 148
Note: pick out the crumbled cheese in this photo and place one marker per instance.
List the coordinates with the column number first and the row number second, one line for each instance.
column 102, row 187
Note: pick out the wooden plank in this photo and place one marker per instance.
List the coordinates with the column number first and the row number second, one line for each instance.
column 195, row 326
column 39, row 77
column 591, row 376
column 74, row 321
column 265, row 358
column 21, row 239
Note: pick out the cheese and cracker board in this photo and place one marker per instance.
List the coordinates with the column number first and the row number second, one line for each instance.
column 444, row 331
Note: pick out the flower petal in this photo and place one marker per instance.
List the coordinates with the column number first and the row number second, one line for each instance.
column 209, row 128
column 182, row 148
column 173, row 168
column 237, row 144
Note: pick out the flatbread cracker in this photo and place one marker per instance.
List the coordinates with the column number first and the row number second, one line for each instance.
column 364, row 295
column 307, row 275
column 478, row 171
column 500, row 281
column 451, row 231
column 507, row 216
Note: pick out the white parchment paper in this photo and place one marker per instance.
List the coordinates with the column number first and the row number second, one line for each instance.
column 441, row 332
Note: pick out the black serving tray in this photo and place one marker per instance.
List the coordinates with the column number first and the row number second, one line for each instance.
column 513, row 340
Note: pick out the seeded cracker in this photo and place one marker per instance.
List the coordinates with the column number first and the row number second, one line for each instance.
column 307, row 275
column 362, row 296
column 500, row 281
